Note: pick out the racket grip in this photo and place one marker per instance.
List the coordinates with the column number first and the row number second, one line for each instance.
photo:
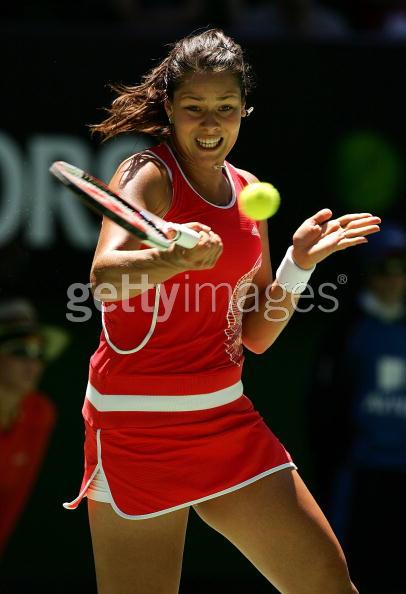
column 184, row 237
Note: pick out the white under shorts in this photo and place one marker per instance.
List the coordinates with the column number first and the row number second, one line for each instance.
column 98, row 489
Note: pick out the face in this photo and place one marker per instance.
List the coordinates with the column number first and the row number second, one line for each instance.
column 390, row 289
column 19, row 373
column 206, row 112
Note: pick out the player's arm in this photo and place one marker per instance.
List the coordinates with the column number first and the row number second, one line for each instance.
column 315, row 239
column 118, row 252
column 273, row 305
column 121, row 267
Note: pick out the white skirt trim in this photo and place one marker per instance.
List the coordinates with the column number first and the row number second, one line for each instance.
column 74, row 503
column 105, row 495
column 138, row 402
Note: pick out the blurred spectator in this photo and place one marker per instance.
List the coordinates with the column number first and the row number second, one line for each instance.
column 27, row 416
column 297, row 19
column 358, row 420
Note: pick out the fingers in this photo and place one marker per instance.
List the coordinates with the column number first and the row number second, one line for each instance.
column 198, row 226
column 330, row 227
column 320, row 235
column 351, row 233
column 213, row 247
column 347, row 242
column 312, row 228
column 346, row 219
column 209, row 238
column 207, row 251
column 357, row 226
column 351, row 226
column 317, row 225
column 322, row 216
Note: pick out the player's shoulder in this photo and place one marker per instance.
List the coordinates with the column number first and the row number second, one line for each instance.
column 144, row 180
column 247, row 175
column 141, row 168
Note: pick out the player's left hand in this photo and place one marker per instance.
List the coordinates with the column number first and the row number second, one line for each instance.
column 320, row 235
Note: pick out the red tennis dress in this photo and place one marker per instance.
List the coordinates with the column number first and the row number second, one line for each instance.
column 167, row 423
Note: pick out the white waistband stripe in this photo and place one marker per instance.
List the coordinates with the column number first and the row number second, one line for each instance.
column 129, row 402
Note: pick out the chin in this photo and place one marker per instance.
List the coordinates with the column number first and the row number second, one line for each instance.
column 211, row 157
column 26, row 387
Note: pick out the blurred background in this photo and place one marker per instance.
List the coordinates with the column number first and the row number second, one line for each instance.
column 328, row 131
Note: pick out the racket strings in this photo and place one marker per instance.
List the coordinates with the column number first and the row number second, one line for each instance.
column 149, row 228
column 93, row 182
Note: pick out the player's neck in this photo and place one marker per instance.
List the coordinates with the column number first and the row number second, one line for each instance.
column 10, row 407
column 207, row 179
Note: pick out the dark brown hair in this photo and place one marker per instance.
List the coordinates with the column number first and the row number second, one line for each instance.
column 140, row 108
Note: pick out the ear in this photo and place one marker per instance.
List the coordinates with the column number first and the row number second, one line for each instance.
column 246, row 112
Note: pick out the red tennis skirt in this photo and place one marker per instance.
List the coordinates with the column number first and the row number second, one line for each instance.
column 169, row 460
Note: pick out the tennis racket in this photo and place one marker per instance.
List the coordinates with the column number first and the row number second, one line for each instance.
column 149, row 228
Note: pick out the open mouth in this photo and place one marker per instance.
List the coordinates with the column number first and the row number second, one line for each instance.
column 209, row 144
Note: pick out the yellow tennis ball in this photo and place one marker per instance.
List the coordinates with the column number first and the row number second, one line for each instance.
column 259, row 201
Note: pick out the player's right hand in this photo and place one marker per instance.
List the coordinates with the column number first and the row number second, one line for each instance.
column 203, row 255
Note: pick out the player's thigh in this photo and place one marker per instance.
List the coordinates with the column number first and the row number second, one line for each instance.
column 137, row 556
column 278, row 526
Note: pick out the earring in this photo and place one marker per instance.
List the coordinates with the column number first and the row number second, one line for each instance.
column 249, row 111
column 170, row 120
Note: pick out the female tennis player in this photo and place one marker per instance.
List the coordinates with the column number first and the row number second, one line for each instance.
column 167, row 424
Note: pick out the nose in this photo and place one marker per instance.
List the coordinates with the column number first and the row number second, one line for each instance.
column 209, row 121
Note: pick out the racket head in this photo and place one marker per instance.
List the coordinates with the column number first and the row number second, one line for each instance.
column 98, row 196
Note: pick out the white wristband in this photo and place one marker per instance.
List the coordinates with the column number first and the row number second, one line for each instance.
column 290, row 276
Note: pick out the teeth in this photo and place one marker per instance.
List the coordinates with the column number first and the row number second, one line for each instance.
column 208, row 143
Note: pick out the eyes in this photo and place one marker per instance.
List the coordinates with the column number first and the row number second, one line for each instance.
column 199, row 109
